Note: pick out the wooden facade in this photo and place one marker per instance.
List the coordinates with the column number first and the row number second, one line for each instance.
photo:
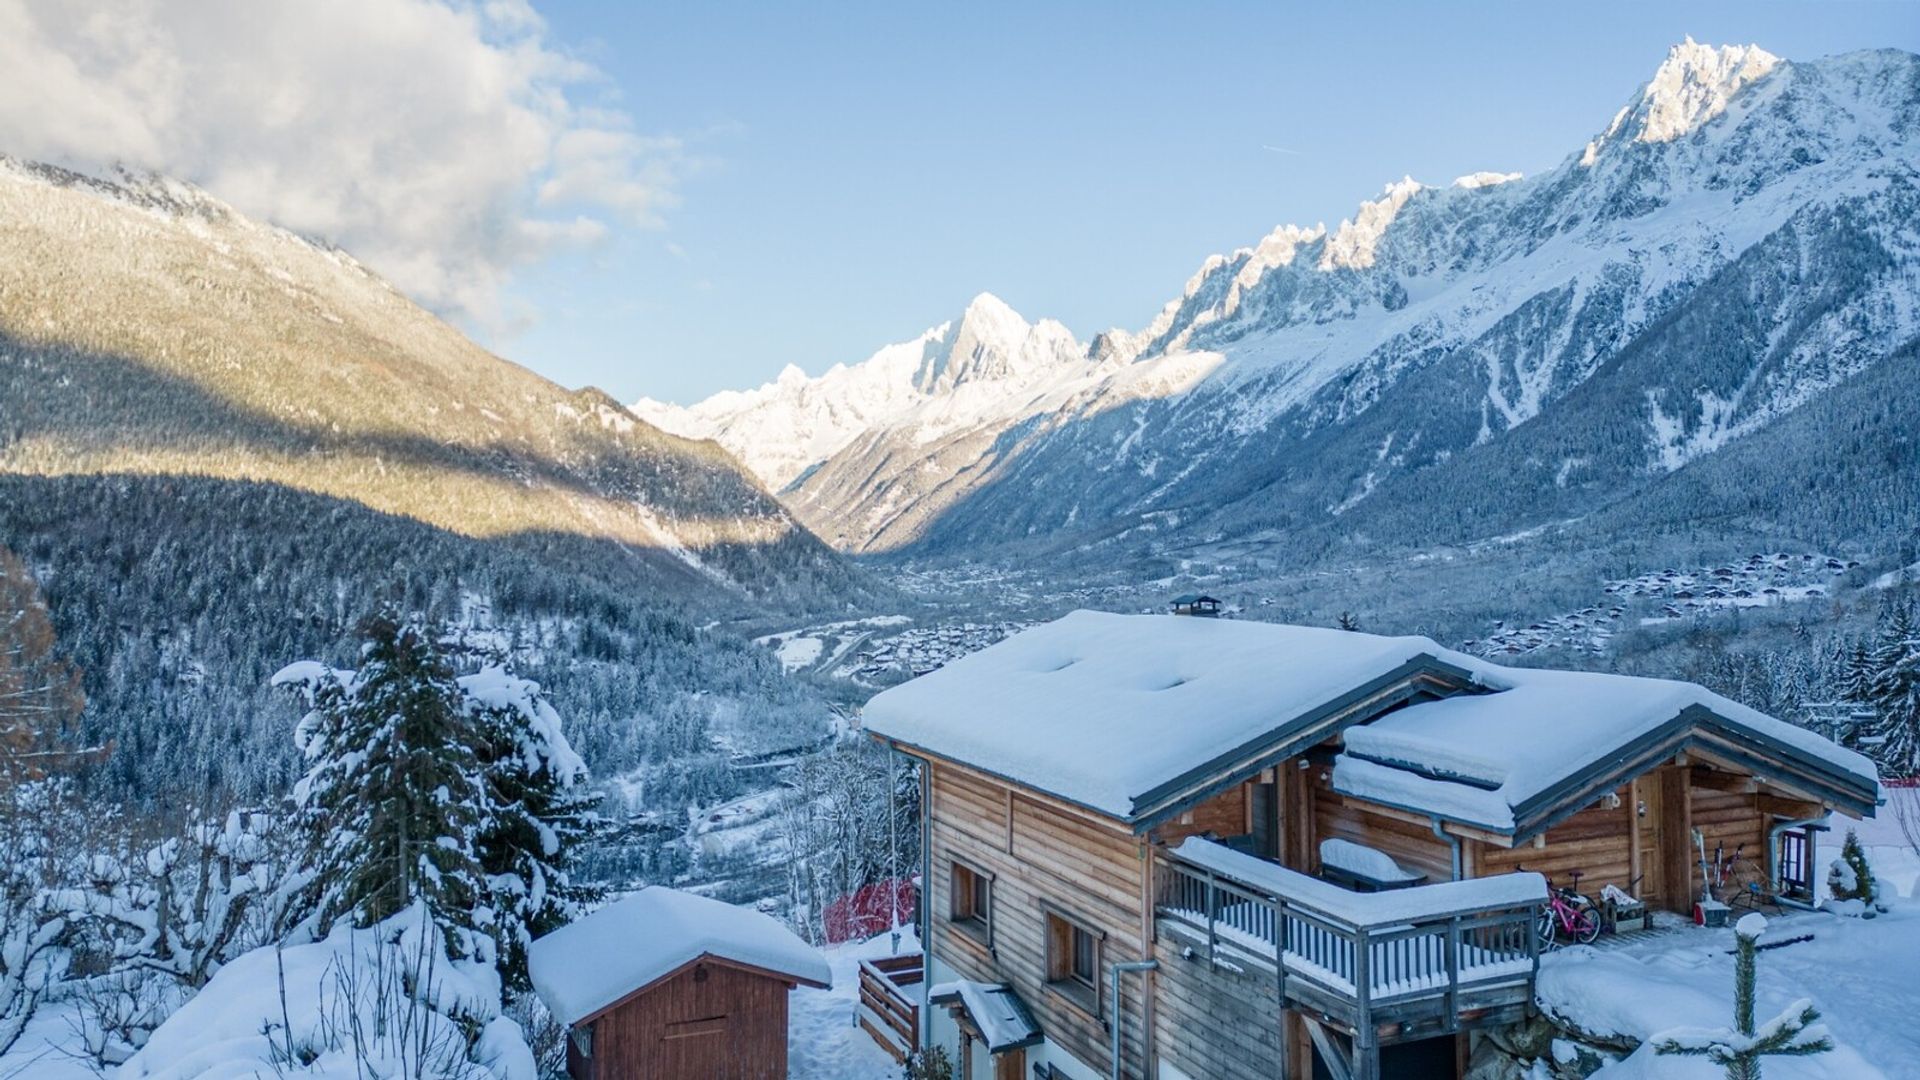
column 1042, row 858
column 1015, row 874
column 710, row 1020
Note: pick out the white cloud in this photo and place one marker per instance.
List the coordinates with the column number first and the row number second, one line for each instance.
column 443, row 143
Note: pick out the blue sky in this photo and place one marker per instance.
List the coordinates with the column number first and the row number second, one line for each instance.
column 853, row 174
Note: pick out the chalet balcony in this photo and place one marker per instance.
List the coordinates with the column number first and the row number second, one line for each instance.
column 1377, row 968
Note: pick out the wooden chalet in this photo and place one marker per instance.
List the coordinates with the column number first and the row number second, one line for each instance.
column 1198, row 849
column 1195, row 604
column 666, row 985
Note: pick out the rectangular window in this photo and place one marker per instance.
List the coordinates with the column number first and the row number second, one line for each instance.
column 1073, row 960
column 970, row 904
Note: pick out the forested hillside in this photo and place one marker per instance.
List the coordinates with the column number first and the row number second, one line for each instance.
column 223, row 444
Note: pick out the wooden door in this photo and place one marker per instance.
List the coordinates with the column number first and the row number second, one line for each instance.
column 1648, row 828
column 1011, row 1065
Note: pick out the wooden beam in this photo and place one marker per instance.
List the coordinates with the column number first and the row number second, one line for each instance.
column 1330, row 1055
column 1780, row 806
column 1676, row 839
column 1731, row 783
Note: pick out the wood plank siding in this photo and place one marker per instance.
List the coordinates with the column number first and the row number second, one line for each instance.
column 1043, row 857
column 712, row 1020
column 1597, row 841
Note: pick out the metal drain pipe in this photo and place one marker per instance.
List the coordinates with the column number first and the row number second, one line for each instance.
column 1453, row 842
column 1119, row 970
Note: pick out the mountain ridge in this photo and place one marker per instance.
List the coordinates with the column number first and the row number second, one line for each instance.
column 1514, row 291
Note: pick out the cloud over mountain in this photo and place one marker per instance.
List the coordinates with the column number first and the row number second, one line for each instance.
column 443, row 143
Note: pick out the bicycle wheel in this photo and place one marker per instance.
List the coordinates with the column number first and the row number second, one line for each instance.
column 1544, row 928
column 1586, row 926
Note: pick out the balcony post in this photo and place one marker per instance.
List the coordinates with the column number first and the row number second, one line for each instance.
column 1213, row 913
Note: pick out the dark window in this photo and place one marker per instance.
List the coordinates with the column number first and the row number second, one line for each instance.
column 971, row 901
column 1073, row 961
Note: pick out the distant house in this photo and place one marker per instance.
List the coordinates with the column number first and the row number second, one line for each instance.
column 1193, row 848
column 666, row 985
column 1195, row 604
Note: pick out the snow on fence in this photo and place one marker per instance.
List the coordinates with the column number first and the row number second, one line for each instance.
column 889, row 1005
column 1399, row 945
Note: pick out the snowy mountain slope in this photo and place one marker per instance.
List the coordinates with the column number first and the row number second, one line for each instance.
column 150, row 329
column 1734, row 243
column 221, row 444
column 981, row 368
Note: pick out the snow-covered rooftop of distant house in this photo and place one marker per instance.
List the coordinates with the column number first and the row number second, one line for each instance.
column 592, row 963
column 1497, row 751
column 1102, row 709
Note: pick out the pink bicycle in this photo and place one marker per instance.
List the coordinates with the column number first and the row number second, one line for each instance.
column 1569, row 913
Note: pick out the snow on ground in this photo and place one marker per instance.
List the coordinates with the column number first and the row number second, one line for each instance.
column 1685, row 978
column 823, row 1041
column 50, row 1048
column 800, row 652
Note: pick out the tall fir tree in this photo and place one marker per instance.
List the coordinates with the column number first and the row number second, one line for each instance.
column 393, row 803
column 541, row 813
column 1893, row 691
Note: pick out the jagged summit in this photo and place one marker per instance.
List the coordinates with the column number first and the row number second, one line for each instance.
column 964, row 372
column 1692, row 86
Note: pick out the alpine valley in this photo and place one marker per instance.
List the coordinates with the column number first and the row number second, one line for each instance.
column 1695, row 335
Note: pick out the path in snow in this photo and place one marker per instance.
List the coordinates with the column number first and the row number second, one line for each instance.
column 823, row 1042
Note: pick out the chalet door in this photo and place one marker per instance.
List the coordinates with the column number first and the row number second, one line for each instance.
column 1648, row 845
column 1011, row 1065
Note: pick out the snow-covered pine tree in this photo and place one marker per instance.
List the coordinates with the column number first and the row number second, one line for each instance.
column 1797, row 1032
column 1893, row 691
column 1850, row 877
column 541, row 813
column 393, row 802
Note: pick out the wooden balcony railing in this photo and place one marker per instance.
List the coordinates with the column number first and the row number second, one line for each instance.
column 890, row 1001
column 1356, row 954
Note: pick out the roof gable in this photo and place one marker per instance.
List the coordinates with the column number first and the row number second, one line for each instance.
column 1521, row 758
column 606, row 957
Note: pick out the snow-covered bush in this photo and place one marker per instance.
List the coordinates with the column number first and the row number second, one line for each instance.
column 381, row 1001
column 933, row 1063
column 39, row 874
column 1850, row 880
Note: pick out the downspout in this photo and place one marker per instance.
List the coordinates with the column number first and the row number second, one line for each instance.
column 1452, row 842
column 926, row 909
column 1773, row 858
column 1119, row 970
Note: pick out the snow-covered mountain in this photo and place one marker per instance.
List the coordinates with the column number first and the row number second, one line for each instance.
column 1737, row 242
column 983, row 368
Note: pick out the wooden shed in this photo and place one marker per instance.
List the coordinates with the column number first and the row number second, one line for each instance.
column 666, row 985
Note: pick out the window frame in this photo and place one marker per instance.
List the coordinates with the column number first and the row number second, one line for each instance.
column 1062, row 976
column 970, row 921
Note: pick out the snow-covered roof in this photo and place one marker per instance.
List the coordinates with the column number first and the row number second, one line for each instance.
column 1115, row 711
column 1493, row 759
column 594, row 962
column 997, row 1011
column 1103, row 709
